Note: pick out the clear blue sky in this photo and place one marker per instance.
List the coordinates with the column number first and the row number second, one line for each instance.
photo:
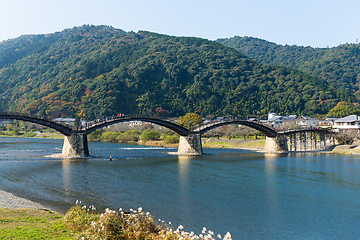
column 316, row 23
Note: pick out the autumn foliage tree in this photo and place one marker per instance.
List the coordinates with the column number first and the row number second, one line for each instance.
column 343, row 110
column 190, row 120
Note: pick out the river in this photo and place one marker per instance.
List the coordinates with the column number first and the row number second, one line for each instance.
column 251, row 195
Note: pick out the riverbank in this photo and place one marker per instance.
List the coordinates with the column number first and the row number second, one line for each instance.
column 258, row 144
column 33, row 224
column 9, row 200
column 37, row 135
column 24, row 219
column 347, row 149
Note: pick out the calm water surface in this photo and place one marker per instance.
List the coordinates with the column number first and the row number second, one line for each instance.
column 252, row 195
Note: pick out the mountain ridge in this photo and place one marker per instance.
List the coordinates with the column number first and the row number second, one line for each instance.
column 339, row 66
column 104, row 71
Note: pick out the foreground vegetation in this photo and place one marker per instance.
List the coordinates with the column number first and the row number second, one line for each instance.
column 81, row 222
column 33, row 224
column 134, row 224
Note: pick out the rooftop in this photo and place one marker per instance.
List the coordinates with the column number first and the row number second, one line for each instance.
column 350, row 118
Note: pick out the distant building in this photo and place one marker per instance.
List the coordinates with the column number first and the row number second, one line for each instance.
column 327, row 122
column 276, row 121
column 3, row 122
column 308, row 122
column 348, row 123
column 67, row 121
column 135, row 124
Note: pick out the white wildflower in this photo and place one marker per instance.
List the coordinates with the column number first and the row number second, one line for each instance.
column 227, row 236
column 219, row 236
column 203, row 230
column 181, row 227
column 140, row 209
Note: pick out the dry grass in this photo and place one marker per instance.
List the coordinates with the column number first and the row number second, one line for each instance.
column 159, row 143
column 134, row 224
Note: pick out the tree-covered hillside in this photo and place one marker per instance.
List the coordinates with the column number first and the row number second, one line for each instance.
column 339, row 66
column 105, row 71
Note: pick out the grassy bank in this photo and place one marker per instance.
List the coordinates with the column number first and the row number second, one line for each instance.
column 53, row 135
column 233, row 143
column 33, row 224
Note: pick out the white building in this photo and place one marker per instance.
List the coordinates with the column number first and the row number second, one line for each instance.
column 3, row 122
column 308, row 122
column 67, row 121
column 327, row 122
column 347, row 123
column 275, row 120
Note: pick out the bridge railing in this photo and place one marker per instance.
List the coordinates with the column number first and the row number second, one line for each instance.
column 102, row 120
column 226, row 120
column 24, row 115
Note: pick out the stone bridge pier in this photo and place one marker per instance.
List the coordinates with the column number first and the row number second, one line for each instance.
column 190, row 145
column 276, row 144
column 76, row 145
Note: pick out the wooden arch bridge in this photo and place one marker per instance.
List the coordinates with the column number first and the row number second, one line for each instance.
column 76, row 145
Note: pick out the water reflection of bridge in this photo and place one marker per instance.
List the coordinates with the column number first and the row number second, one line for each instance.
column 75, row 142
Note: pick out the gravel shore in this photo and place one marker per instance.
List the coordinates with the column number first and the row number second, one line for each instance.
column 9, row 200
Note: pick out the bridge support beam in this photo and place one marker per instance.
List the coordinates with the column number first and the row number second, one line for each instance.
column 276, row 144
column 75, row 146
column 190, row 145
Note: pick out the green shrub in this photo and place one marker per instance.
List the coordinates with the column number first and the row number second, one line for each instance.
column 172, row 139
column 149, row 135
column 130, row 136
column 110, row 136
column 95, row 136
column 15, row 132
column 29, row 134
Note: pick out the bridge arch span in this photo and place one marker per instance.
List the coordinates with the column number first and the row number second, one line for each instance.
column 58, row 127
column 267, row 131
column 172, row 126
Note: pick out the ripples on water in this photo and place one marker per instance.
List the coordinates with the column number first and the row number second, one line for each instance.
column 252, row 195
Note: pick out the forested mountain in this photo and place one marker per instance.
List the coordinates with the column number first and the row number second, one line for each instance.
column 104, row 71
column 339, row 66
